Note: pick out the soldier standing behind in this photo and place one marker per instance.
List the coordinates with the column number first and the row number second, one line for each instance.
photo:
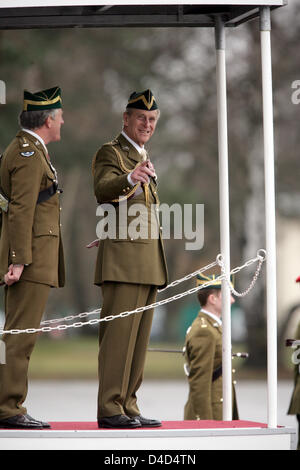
column 203, row 352
column 31, row 254
column 294, row 408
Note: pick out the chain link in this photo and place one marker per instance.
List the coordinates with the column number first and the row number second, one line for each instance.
column 261, row 256
column 98, row 310
column 219, row 261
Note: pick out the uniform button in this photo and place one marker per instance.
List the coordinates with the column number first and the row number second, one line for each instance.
column 60, row 208
column 124, row 190
column 221, row 400
column 50, row 231
column 234, row 382
column 60, row 225
column 233, row 371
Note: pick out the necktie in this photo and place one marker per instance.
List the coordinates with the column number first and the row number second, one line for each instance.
column 144, row 155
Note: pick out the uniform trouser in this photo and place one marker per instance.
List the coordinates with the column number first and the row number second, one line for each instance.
column 24, row 306
column 122, row 347
column 298, row 419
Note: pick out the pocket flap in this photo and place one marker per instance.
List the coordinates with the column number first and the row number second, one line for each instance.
column 45, row 229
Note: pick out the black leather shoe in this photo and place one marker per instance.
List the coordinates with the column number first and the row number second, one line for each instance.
column 44, row 424
column 20, row 422
column 147, row 422
column 118, row 421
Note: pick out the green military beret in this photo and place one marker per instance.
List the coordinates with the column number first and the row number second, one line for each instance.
column 144, row 100
column 215, row 284
column 41, row 100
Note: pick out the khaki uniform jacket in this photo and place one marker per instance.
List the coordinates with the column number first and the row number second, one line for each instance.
column 294, row 408
column 203, row 354
column 122, row 257
column 30, row 233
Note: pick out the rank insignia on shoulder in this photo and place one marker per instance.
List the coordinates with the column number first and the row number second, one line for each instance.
column 27, row 154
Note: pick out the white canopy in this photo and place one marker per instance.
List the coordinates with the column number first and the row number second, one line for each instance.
column 18, row 14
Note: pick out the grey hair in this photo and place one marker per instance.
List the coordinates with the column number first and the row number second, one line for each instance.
column 35, row 119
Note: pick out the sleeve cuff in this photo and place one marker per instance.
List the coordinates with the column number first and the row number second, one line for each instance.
column 130, row 180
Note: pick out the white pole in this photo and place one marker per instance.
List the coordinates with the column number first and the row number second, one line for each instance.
column 224, row 216
column 271, row 290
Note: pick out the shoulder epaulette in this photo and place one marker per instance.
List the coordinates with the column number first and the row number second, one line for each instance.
column 26, row 149
column 23, row 142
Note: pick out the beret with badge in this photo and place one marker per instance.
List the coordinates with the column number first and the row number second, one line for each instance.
column 216, row 283
column 42, row 100
column 143, row 100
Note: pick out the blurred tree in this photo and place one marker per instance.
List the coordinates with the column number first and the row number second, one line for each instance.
column 97, row 70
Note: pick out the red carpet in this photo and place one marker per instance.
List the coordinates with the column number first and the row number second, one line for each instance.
column 166, row 425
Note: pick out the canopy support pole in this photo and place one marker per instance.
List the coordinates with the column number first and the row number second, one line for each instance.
column 270, row 217
column 224, row 215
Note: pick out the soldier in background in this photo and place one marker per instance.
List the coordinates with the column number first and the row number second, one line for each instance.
column 31, row 255
column 294, row 408
column 203, row 353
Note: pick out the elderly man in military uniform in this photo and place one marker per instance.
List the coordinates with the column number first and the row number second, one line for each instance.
column 31, row 256
column 203, row 354
column 129, row 269
column 294, row 408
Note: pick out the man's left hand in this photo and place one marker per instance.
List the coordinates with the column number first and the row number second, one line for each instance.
column 13, row 274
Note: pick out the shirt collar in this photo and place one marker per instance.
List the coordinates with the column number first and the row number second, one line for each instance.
column 212, row 315
column 136, row 146
column 39, row 138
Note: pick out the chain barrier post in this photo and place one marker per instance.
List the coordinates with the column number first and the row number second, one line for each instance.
column 270, row 215
column 224, row 214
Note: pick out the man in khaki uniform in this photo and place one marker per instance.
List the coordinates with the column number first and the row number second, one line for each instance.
column 294, row 408
column 31, row 256
column 129, row 268
column 203, row 353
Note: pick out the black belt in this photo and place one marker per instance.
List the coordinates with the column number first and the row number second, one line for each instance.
column 47, row 193
column 217, row 373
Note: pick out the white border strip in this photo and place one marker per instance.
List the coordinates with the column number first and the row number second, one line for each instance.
column 144, row 433
column 71, row 3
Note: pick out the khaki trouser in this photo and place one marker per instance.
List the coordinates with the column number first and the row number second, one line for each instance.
column 122, row 347
column 24, row 306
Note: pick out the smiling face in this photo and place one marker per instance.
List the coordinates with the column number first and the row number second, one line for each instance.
column 140, row 124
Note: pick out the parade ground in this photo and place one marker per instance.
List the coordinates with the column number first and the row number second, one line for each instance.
column 71, row 408
column 165, row 400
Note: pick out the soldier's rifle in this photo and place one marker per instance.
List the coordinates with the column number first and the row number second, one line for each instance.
column 243, row 355
column 292, row 342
